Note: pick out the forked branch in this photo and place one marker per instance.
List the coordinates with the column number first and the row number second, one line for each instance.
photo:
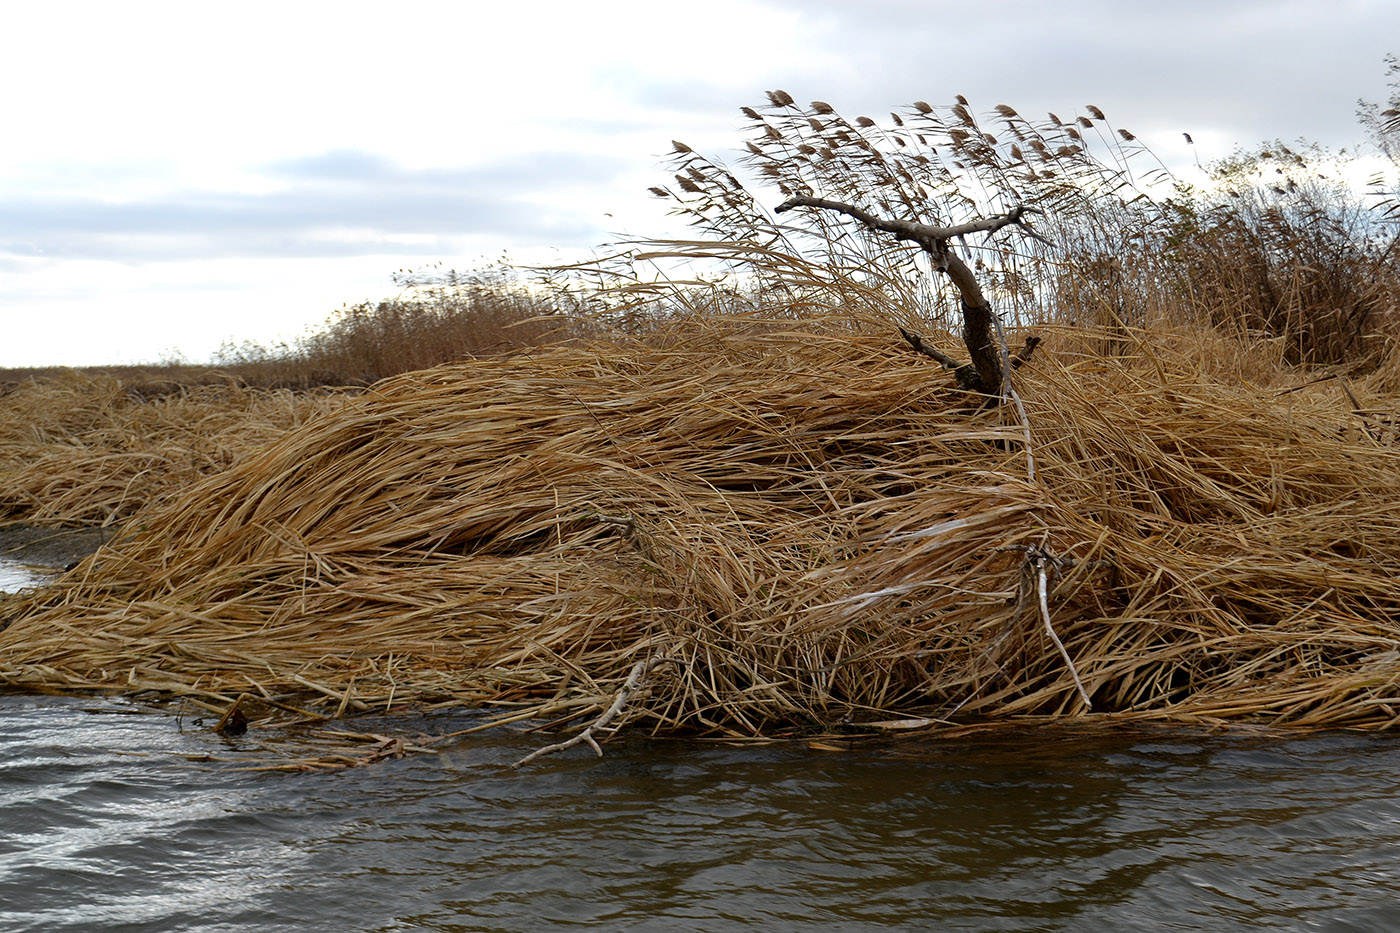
column 634, row 679
column 965, row 373
column 978, row 316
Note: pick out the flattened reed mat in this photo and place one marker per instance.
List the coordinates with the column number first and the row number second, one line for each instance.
column 812, row 527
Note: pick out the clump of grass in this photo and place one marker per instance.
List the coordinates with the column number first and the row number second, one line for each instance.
column 1286, row 252
column 809, row 519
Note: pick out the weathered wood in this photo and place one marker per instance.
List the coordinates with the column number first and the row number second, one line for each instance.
column 965, row 373
column 978, row 329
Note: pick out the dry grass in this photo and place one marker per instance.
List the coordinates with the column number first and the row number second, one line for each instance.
column 94, row 447
column 439, row 319
column 808, row 519
column 792, row 507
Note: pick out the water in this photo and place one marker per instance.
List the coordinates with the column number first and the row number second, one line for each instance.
column 107, row 826
column 16, row 575
column 110, row 820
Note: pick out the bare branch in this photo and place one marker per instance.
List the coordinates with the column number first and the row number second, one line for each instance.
column 965, row 373
column 978, row 316
column 908, row 229
column 634, row 679
column 933, row 353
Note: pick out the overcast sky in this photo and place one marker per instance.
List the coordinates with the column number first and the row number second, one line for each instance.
column 174, row 175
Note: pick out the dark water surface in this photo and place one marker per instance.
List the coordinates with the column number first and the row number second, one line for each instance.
column 105, row 825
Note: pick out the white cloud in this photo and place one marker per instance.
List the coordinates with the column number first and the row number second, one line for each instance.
column 178, row 173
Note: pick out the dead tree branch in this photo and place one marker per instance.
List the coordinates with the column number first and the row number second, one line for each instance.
column 965, row 373
column 634, row 679
column 978, row 316
column 1023, row 355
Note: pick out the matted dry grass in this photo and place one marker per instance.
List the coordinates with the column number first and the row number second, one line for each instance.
column 82, row 448
column 810, row 522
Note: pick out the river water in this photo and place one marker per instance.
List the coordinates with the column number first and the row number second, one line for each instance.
column 110, row 820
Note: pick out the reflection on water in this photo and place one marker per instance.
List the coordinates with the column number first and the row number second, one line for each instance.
column 16, row 575
column 106, row 826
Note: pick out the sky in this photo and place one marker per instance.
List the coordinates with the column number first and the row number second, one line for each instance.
column 177, row 175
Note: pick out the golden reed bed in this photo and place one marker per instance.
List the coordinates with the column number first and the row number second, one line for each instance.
column 812, row 527
column 79, row 448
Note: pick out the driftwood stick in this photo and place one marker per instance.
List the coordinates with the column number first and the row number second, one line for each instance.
column 634, row 679
column 1039, row 563
column 1042, row 587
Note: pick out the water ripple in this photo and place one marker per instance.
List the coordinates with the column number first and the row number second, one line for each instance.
column 107, row 825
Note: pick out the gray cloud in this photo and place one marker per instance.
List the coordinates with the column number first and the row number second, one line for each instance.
column 339, row 203
column 1252, row 70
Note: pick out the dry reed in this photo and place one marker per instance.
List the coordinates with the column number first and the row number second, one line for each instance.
column 91, row 448
column 807, row 518
column 441, row 317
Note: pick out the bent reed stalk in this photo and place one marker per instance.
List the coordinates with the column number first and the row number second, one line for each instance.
column 807, row 518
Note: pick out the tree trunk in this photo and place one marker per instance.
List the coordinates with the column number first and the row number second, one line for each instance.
column 979, row 322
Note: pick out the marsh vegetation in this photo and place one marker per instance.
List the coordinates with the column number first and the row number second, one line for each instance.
column 507, row 491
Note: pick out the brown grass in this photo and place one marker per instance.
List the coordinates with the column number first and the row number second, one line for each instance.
column 791, row 506
column 809, row 520
column 94, row 447
column 442, row 318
